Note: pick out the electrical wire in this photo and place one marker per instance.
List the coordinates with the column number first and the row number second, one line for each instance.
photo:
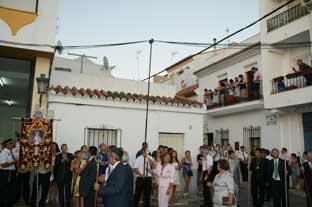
column 231, row 35
column 72, row 47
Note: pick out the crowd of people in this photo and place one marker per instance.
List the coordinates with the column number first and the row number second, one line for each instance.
column 91, row 176
column 233, row 91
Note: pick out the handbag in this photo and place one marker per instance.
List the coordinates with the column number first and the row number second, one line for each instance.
column 225, row 200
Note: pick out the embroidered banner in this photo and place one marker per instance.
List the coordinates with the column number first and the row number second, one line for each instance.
column 35, row 144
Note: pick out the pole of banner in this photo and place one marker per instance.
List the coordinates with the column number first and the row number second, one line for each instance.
column 37, row 187
column 98, row 159
column 286, row 187
column 249, row 180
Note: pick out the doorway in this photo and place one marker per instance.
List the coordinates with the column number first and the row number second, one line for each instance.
column 16, row 83
column 307, row 131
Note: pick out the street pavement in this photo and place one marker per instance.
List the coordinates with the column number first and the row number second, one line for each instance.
column 296, row 199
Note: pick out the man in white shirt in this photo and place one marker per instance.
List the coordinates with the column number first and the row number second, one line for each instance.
column 7, row 174
column 143, row 168
column 207, row 162
column 243, row 158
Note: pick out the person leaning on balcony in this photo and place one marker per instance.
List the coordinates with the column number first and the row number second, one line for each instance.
column 256, row 82
column 215, row 100
column 206, row 97
column 231, row 89
column 237, row 89
column 243, row 87
column 302, row 67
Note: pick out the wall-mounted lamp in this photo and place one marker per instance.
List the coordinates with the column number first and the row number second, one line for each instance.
column 42, row 83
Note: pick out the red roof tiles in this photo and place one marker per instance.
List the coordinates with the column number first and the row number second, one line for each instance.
column 187, row 90
column 122, row 95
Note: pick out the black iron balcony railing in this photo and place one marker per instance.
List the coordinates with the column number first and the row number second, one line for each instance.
column 292, row 81
column 286, row 17
column 252, row 92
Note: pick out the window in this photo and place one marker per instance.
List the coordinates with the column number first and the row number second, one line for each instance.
column 62, row 69
column 252, row 138
column 97, row 136
column 222, row 136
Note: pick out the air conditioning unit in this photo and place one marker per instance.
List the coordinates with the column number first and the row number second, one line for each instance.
column 307, row 3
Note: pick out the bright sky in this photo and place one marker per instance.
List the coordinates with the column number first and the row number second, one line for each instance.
column 101, row 22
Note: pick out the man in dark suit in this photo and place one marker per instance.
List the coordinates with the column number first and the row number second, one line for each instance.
column 130, row 177
column 278, row 171
column 88, row 178
column 115, row 192
column 307, row 176
column 258, row 176
column 63, row 175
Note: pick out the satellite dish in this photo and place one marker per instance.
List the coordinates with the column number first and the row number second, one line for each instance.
column 59, row 47
column 105, row 63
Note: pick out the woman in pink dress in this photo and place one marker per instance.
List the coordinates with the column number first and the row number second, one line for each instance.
column 165, row 174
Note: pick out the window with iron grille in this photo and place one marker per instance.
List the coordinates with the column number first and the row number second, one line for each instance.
column 222, row 136
column 252, row 138
column 95, row 137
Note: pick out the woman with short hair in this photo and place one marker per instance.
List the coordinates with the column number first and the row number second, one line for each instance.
column 223, row 186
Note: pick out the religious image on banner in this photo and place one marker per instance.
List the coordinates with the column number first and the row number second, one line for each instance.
column 35, row 144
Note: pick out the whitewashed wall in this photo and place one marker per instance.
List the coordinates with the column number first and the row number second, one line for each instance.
column 270, row 134
column 41, row 31
column 130, row 118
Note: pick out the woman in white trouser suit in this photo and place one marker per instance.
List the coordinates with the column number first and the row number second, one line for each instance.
column 165, row 173
column 223, row 186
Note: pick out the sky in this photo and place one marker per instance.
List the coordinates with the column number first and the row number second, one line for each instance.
column 83, row 22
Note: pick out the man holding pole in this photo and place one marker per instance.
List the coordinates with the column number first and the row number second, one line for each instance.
column 143, row 185
column 307, row 177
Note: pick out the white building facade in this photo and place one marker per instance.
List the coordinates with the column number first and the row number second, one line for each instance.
column 31, row 22
column 289, row 29
column 243, row 123
column 94, row 108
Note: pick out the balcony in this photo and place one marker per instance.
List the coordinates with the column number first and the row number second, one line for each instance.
column 286, row 17
column 292, row 81
column 251, row 99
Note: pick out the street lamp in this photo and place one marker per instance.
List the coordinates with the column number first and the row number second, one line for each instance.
column 42, row 83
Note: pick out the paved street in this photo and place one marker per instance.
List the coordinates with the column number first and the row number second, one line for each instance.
column 297, row 199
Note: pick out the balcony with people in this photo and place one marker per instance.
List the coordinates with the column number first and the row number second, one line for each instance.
column 239, row 90
column 300, row 78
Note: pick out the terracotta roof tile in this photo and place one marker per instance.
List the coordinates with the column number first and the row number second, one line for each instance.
column 82, row 92
column 187, row 90
column 119, row 96
column 90, row 92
